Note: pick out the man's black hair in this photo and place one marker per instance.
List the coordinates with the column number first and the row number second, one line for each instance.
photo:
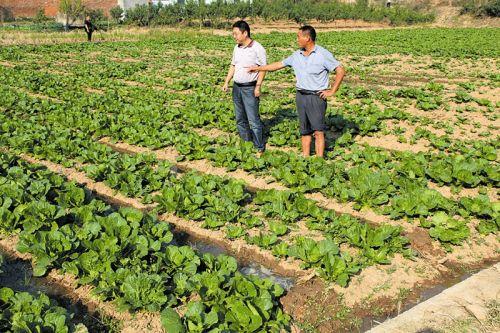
column 310, row 31
column 243, row 26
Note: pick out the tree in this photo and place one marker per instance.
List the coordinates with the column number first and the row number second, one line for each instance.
column 6, row 14
column 96, row 15
column 116, row 13
column 72, row 10
column 491, row 8
column 40, row 16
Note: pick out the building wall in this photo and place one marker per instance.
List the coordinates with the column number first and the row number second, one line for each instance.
column 29, row 8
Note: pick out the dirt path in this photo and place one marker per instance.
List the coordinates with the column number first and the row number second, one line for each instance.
column 475, row 301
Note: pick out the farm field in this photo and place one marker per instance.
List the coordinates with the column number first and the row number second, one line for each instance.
column 123, row 181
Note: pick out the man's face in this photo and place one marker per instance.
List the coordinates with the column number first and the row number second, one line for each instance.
column 302, row 39
column 239, row 37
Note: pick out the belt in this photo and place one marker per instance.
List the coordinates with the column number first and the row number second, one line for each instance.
column 308, row 92
column 246, row 84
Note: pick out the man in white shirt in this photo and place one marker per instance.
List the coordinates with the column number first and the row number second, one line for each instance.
column 246, row 88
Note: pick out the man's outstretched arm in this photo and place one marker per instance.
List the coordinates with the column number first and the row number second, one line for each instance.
column 268, row 68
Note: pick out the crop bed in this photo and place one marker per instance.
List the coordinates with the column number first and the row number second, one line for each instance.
column 111, row 152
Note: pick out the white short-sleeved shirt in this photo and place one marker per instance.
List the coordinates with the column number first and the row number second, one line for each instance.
column 253, row 54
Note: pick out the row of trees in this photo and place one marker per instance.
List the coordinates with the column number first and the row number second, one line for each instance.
column 219, row 12
column 222, row 12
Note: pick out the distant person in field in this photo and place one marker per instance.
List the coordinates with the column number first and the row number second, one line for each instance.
column 311, row 64
column 89, row 28
column 246, row 87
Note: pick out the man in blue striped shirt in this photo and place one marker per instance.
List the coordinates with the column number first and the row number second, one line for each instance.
column 311, row 65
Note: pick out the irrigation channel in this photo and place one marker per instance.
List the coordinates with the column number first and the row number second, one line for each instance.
column 18, row 276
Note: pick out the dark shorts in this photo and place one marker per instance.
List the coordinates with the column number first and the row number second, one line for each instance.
column 311, row 110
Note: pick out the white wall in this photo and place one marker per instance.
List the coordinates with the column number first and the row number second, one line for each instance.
column 127, row 4
column 164, row 2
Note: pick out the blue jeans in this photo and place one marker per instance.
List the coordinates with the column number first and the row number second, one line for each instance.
column 246, row 109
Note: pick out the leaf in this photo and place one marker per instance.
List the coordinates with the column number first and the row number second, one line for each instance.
column 6, row 294
column 211, row 318
column 278, row 228
column 171, row 321
column 131, row 214
column 41, row 265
